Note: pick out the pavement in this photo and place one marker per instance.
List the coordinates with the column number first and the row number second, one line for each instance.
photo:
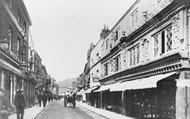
column 29, row 113
column 103, row 112
column 33, row 112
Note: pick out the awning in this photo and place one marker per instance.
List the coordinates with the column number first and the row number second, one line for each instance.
column 102, row 88
column 107, row 87
column 149, row 82
column 90, row 89
column 183, row 82
column 9, row 67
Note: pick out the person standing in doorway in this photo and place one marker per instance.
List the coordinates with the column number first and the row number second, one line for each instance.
column 4, row 104
column 20, row 104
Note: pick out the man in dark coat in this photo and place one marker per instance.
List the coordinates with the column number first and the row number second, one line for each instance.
column 40, row 98
column 4, row 105
column 44, row 98
column 20, row 104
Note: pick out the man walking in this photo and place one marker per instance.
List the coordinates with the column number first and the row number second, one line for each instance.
column 19, row 103
column 4, row 104
column 40, row 98
column 44, row 98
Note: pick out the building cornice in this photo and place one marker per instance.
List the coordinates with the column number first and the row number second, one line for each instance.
column 170, row 63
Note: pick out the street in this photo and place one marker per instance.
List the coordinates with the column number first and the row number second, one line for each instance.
column 56, row 110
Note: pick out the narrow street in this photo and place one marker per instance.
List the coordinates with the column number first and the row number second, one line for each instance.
column 56, row 110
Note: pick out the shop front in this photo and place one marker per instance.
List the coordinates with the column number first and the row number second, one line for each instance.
column 152, row 97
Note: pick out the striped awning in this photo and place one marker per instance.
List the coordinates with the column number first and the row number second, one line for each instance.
column 144, row 83
column 107, row 87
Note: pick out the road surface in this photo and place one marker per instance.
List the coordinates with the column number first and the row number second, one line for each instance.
column 56, row 110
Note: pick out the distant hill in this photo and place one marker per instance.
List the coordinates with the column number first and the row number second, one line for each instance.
column 65, row 84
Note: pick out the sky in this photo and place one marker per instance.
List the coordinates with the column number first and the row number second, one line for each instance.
column 62, row 30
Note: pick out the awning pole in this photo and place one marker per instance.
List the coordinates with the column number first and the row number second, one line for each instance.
column 123, row 103
column 101, row 100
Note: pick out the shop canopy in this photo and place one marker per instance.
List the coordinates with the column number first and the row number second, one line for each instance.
column 144, row 83
column 107, row 87
column 11, row 68
column 90, row 89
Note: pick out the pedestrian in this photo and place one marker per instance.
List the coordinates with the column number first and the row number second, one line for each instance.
column 44, row 98
column 4, row 105
column 20, row 104
column 40, row 98
column 49, row 96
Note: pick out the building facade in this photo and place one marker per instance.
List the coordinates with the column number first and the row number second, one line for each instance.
column 14, row 32
column 145, row 61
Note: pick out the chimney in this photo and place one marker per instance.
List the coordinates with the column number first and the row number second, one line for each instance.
column 105, row 32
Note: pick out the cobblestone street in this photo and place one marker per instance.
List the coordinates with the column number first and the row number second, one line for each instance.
column 56, row 110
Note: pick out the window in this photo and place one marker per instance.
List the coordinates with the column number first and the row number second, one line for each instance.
column 18, row 44
column 138, row 55
column 130, row 56
column 134, row 17
column 145, row 49
column 25, row 26
column 163, row 42
column 169, row 38
column 106, row 69
column 164, row 38
column 95, row 79
column 117, row 63
column 134, row 55
column 116, row 35
column 107, row 42
column 156, row 47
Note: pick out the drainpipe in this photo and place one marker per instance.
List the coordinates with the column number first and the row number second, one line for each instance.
column 186, row 102
column 187, row 29
column 188, row 39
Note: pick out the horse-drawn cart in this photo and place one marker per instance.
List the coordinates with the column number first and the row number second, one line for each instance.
column 70, row 99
